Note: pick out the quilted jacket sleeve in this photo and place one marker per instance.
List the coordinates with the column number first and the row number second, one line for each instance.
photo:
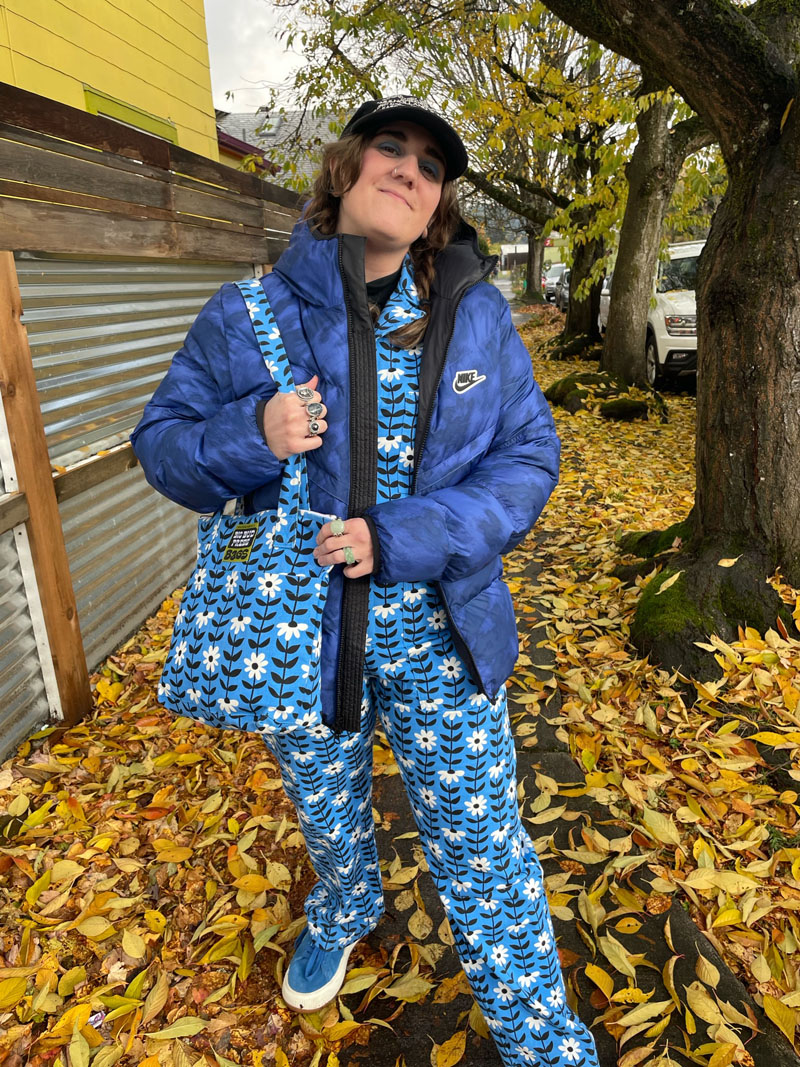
column 198, row 441
column 453, row 532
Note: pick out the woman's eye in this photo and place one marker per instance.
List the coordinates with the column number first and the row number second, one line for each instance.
column 390, row 147
column 430, row 170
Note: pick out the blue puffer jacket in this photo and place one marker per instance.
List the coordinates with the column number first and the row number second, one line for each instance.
column 486, row 450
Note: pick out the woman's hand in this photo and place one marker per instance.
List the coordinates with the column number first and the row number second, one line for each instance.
column 357, row 536
column 286, row 422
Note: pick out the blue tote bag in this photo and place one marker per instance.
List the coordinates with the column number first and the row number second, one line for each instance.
column 245, row 650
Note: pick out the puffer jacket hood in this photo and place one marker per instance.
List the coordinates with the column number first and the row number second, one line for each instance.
column 486, row 451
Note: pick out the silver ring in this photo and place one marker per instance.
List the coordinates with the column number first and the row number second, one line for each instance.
column 313, row 427
column 304, row 392
column 314, row 410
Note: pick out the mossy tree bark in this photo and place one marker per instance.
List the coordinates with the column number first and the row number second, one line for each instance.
column 736, row 68
column 652, row 172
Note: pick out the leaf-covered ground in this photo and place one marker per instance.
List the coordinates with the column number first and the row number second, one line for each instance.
column 153, row 873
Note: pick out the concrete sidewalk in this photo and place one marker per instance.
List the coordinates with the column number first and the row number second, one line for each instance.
column 420, row 1025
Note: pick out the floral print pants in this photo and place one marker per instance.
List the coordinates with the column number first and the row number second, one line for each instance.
column 456, row 756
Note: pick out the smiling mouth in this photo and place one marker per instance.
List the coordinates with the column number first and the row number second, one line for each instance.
column 396, row 196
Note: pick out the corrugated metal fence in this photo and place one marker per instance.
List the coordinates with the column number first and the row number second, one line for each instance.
column 110, row 243
column 102, row 333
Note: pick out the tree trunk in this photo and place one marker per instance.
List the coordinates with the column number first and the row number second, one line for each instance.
column 747, row 504
column 582, row 311
column 653, row 170
column 748, row 396
column 652, row 173
column 533, row 291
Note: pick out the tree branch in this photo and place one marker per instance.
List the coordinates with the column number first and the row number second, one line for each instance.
column 518, row 205
column 719, row 61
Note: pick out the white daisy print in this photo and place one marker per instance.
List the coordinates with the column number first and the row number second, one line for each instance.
column 203, row 618
column 407, row 456
column 256, row 665
column 200, row 578
column 431, row 705
column 499, row 955
column 240, row 623
column 438, row 620
column 556, row 998
column 193, row 695
column 450, row 777
column 480, row 863
column 180, row 651
column 335, row 768
column 453, row 835
column 476, row 805
column 228, row 705
column 383, row 611
column 389, row 374
column 477, row 740
column 269, row 585
column 163, row 688
column 502, row 992
column 451, row 667
column 413, row 596
column 211, row 658
column 543, row 942
column 526, row 980
column 389, row 443
column 428, row 797
column 282, row 711
column 291, row 630
column 426, row 739
column 570, row 1049
column 231, row 582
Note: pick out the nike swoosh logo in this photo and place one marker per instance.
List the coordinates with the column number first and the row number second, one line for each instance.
column 465, row 380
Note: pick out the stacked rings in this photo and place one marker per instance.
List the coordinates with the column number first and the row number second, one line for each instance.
column 313, row 427
column 304, row 392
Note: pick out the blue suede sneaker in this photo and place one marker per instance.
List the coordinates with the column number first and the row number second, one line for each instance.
column 315, row 975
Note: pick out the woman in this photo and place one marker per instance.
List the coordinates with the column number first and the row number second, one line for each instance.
column 427, row 434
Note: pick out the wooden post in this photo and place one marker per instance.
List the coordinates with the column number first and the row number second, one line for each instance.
column 46, row 537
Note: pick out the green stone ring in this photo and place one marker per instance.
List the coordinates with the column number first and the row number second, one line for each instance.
column 337, row 527
column 349, row 558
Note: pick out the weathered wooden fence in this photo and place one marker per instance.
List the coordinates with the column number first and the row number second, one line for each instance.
column 111, row 240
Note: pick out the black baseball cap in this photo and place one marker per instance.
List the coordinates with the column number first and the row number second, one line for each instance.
column 374, row 114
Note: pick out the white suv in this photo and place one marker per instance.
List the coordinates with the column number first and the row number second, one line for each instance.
column 671, row 344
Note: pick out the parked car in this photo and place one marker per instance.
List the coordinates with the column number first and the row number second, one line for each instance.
column 550, row 279
column 562, row 291
column 671, row 342
column 605, row 303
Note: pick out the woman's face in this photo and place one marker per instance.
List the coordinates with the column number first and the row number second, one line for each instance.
column 398, row 188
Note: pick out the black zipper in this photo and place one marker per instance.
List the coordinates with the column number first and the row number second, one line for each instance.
column 458, row 637
column 348, row 710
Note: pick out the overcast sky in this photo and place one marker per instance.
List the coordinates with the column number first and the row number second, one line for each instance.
column 246, row 56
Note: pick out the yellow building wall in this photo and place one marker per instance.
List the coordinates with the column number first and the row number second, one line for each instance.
column 151, row 55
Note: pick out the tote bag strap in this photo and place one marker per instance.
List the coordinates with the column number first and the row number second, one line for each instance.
column 294, row 483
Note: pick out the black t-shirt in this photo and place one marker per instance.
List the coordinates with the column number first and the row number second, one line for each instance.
column 379, row 290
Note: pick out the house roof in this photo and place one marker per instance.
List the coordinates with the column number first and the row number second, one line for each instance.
column 266, row 131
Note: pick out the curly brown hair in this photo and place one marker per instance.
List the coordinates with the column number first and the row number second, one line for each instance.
column 341, row 166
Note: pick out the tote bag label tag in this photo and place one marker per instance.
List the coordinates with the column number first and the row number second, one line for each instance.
column 241, row 543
